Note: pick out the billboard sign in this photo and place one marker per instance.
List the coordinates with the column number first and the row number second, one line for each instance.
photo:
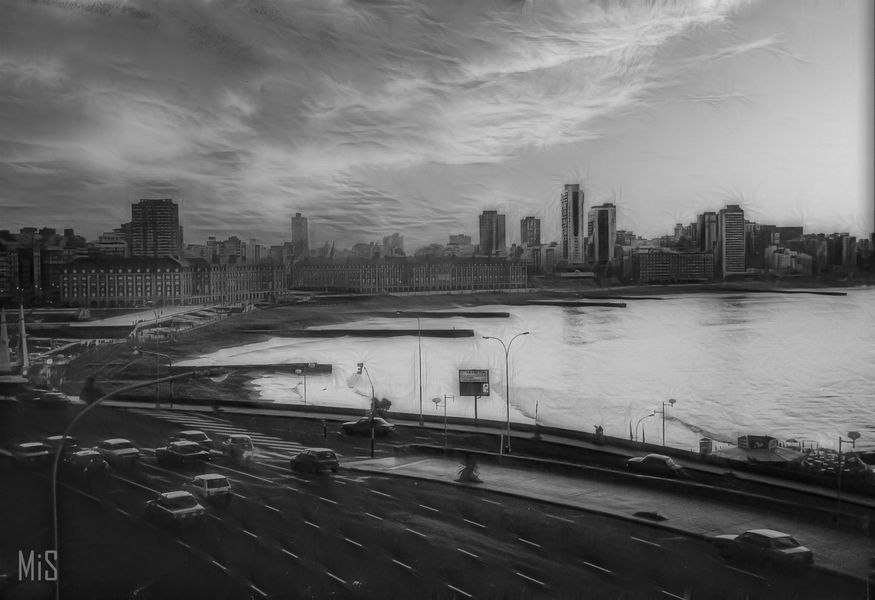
column 473, row 382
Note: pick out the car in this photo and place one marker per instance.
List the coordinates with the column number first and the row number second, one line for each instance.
column 31, row 454
column 314, row 460
column 119, row 452
column 655, row 464
column 765, row 547
column 50, row 399
column 71, row 444
column 181, row 453
column 86, row 463
column 210, row 487
column 363, row 426
column 193, row 435
column 178, row 508
column 238, row 447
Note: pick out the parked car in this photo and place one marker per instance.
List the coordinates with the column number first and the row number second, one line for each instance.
column 764, row 547
column 656, row 464
column 86, row 462
column 181, row 453
column 238, row 447
column 193, row 435
column 31, row 454
column 179, row 508
column 210, row 487
column 363, row 426
column 119, row 452
column 314, row 460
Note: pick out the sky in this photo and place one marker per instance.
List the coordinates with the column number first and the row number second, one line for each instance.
column 372, row 117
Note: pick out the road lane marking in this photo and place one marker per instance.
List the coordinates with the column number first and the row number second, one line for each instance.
column 458, row 591
column 249, row 533
column 532, row 579
column 220, row 565
column 339, row 482
column 380, row 493
column 124, row 512
column 670, row 595
column 429, row 508
column 295, row 556
column 353, row 542
column 312, row 524
column 558, row 518
column 328, row 500
column 481, row 525
column 134, row 483
column 649, row 543
column 273, row 508
column 743, row 572
column 374, row 516
column 252, row 586
column 597, row 568
column 471, row 554
column 243, row 473
column 491, row 502
column 333, row 576
column 399, row 563
column 529, row 542
column 183, row 544
column 80, row 492
column 422, row 535
column 241, row 496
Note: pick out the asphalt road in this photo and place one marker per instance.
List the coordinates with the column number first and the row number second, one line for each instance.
column 349, row 535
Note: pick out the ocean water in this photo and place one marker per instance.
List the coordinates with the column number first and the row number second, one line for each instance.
column 788, row 365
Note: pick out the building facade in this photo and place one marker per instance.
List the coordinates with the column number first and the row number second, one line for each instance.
column 530, row 231
column 155, row 230
column 493, row 240
column 730, row 221
column 602, row 233
column 573, row 232
column 300, row 236
column 658, row 266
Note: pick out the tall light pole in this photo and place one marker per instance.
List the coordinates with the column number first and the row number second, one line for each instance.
column 639, row 423
column 302, row 373
column 362, row 367
column 853, row 437
column 419, row 344
column 671, row 401
column 157, row 355
column 215, row 375
column 437, row 401
column 506, row 377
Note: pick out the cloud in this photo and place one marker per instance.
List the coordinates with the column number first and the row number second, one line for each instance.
column 265, row 109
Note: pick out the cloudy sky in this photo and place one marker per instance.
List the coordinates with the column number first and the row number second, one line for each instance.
column 372, row 117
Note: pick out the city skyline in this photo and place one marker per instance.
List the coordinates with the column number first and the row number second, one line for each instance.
column 415, row 120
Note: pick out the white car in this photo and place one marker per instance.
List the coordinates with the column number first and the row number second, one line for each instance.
column 118, row 452
column 210, row 487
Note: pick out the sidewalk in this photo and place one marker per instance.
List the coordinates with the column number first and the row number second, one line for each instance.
column 840, row 551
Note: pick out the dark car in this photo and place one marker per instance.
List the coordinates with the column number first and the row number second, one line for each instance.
column 655, row 464
column 238, row 447
column 314, row 460
column 86, row 463
column 71, row 444
column 363, row 426
column 178, row 508
column 194, row 435
column 764, row 547
column 31, row 454
column 181, row 453
column 50, row 399
column 119, row 452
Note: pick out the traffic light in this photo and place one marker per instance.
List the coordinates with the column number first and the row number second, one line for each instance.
column 361, row 366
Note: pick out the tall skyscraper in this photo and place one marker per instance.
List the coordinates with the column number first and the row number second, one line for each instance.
column 492, row 233
column 300, row 236
column 707, row 231
column 730, row 222
column 573, row 232
column 530, row 231
column 602, row 229
column 155, row 230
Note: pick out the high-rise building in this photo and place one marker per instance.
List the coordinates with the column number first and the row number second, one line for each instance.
column 530, row 231
column 300, row 236
column 155, row 230
column 492, row 233
column 730, row 222
column 602, row 229
column 573, row 232
column 707, row 231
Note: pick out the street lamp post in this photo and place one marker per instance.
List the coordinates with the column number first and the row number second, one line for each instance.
column 506, row 378
column 302, row 373
column 639, row 423
column 853, row 437
column 437, row 401
column 214, row 375
column 364, row 368
column 157, row 355
column 419, row 345
column 671, row 402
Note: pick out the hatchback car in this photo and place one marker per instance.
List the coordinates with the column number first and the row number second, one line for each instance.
column 764, row 547
column 210, row 487
column 181, row 453
column 119, row 452
column 71, row 444
column 314, row 460
column 86, row 462
column 177, row 508
column 193, row 435
column 655, row 464
column 363, row 426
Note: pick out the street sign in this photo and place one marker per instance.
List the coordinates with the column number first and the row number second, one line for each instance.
column 473, row 382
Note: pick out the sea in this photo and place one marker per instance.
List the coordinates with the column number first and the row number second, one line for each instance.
column 793, row 366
